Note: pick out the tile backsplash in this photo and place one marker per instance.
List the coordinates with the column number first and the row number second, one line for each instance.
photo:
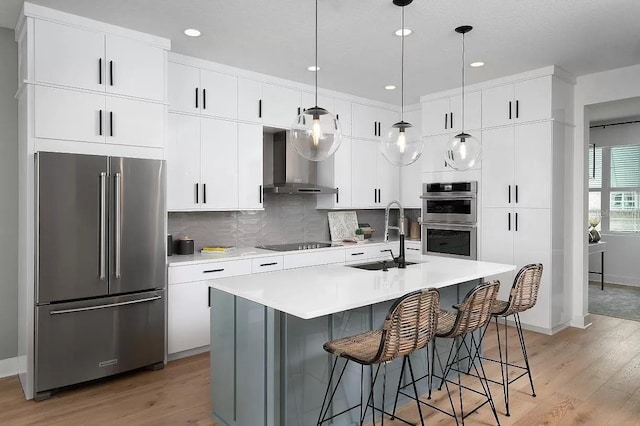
column 285, row 219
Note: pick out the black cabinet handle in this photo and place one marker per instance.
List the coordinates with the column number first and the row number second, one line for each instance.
column 516, row 222
column 414, row 249
column 204, row 98
column 110, row 73
column 379, row 129
column 209, row 296
column 298, row 110
column 360, row 253
column 196, row 97
column 269, row 264
column 260, row 194
column 337, row 195
column 517, row 108
column 375, row 195
column 451, row 120
column 446, row 121
column 197, row 193
column 110, row 123
column 260, row 108
column 379, row 197
column 100, row 71
column 509, row 194
column 509, row 223
column 516, row 193
column 375, row 129
column 100, row 122
column 213, row 270
column 338, row 117
column 204, row 193
column 509, row 110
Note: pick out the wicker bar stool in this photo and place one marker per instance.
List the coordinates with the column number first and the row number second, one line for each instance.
column 470, row 315
column 523, row 296
column 410, row 325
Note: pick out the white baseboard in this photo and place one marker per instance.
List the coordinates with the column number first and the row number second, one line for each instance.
column 8, row 367
column 542, row 330
column 581, row 322
column 190, row 352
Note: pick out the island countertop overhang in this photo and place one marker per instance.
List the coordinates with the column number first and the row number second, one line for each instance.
column 316, row 291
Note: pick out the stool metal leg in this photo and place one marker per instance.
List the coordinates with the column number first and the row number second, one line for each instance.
column 325, row 409
column 415, row 390
column 395, row 404
column 524, row 351
column 504, row 382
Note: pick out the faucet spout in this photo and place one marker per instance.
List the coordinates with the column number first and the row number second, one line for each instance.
column 401, row 257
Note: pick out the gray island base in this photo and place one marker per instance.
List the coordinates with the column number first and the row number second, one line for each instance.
column 268, row 366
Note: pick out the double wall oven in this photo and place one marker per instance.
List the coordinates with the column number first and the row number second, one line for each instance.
column 449, row 219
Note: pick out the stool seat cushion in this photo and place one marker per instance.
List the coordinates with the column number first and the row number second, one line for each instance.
column 361, row 348
column 499, row 307
column 446, row 321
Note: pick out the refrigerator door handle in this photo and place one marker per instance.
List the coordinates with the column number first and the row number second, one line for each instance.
column 110, row 305
column 103, row 226
column 118, row 208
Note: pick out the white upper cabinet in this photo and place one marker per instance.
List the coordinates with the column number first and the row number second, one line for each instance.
column 200, row 91
column 280, row 106
column 183, row 162
column 364, row 190
column 184, row 88
column 498, row 177
column 368, row 122
column 219, row 164
column 134, row 69
column 335, row 172
column 445, row 115
column 343, row 114
column 69, row 56
column 387, row 178
column 528, row 100
column 79, row 58
column 249, row 100
column 250, row 166
column 134, row 123
column 219, row 94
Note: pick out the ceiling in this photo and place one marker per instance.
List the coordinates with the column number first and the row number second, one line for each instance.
column 358, row 53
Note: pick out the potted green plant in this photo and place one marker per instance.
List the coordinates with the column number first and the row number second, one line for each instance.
column 359, row 234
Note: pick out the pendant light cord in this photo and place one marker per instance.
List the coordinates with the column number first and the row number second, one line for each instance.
column 463, row 82
column 402, row 67
column 316, row 53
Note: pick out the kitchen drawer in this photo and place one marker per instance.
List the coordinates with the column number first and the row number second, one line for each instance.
column 356, row 253
column 207, row 271
column 266, row 264
column 377, row 251
column 313, row 257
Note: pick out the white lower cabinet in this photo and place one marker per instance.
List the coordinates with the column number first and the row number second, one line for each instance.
column 188, row 316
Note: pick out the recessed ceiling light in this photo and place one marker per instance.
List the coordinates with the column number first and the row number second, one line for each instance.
column 390, row 87
column 192, row 32
column 403, row 32
column 476, row 64
column 313, row 68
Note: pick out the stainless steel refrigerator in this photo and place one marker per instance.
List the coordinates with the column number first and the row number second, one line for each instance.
column 100, row 267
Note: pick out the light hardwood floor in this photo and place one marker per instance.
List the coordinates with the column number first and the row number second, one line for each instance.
column 582, row 377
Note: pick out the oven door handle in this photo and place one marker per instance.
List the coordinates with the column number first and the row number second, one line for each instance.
column 448, row 197
column 452, row 226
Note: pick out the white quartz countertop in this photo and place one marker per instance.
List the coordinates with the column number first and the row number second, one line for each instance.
column 322, row 290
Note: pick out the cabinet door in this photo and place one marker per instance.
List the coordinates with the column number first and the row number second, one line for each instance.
column 496, row 242
column 249, row 100
column 68, row 115
column 69, row 56
column 335, row 172
column 249, row 166
column 135, row 123
column 532, row 244
column 364, row 121
column 135, row 69
column 279, row 106
column 187, row 316
column 533, row 164
column 386, row 118
column 364, row 155
column 388, row 178
column 219, row 164
column 533, row 99
column 183, row 162
column 184, row 88
column 472, row 112
column 498, row 188
column 435, row 117
column 219, row 94
column 343, row 114
column 411, row 185
column 432, row 158
column 498, row 106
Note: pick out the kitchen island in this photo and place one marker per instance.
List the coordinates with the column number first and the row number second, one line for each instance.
column 268, row 366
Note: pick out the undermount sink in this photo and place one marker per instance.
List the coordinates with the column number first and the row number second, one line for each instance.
column 379, row 265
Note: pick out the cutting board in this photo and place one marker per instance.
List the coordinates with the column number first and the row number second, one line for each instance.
column 342, row 225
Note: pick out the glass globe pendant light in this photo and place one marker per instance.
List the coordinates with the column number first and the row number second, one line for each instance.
column 402, row 143
column 316, row 134
column 463, row 150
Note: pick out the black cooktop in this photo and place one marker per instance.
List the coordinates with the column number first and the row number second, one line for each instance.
column 295, row 246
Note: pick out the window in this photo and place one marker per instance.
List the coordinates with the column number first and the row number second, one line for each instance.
column 614, row 188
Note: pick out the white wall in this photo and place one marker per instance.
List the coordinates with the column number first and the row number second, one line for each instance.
column 621, row 83
column 8, row 196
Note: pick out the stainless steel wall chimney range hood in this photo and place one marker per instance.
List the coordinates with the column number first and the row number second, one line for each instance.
column 292, row 174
